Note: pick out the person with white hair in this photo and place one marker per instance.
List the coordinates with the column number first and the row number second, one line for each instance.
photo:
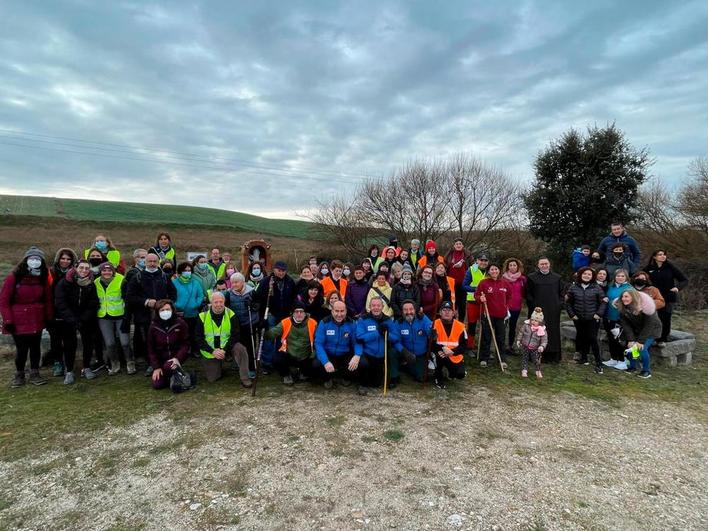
column 241, row 300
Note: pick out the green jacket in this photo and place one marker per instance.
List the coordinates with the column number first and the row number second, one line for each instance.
column 298, row 340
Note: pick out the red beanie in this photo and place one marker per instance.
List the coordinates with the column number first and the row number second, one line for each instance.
column 430, row 244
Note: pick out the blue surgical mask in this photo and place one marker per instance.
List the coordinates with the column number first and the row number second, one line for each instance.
column 204, row 266
column 101, row 245
column 256, row 272
column 141, row 263
column 186, row 274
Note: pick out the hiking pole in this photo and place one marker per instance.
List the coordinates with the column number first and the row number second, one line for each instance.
column 428, row 356
column 253, row 341
column 257, row 360
column 385, row 387
column 479, row 339
column 494, row 336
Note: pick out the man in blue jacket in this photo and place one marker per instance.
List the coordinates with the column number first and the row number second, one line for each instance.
column 413, row 333
column 371, row 349
column 619, row 235
column 334, row 347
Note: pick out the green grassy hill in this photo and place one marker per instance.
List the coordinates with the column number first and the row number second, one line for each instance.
column 104, row 211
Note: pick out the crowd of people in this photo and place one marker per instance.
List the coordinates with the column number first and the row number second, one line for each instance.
column 400, row 310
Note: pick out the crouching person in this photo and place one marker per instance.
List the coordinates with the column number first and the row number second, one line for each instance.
column 334, row 348
column 414, row 332
column 450, row 345
column 297, row 335
column 640, row 327
column 167, row 343
column 373, row 333
column 217, row 335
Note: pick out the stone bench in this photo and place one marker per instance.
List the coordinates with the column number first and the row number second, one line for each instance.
column 677, row 351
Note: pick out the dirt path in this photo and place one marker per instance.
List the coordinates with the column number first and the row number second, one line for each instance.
column 334, row 461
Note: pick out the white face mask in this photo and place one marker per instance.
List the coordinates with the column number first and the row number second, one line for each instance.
column 34, row 263
column 165, row 314
column 324, row 270
column 346, row 272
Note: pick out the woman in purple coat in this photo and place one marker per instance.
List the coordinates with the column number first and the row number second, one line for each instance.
column 167, row 343
column 26, row 308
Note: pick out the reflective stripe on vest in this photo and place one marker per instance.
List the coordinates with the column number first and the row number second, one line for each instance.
column 328, row 286
column 110, row 299
column 113, row 256
column 477, row 277
column 287, row 326
column 453, row 340
column 211, row 331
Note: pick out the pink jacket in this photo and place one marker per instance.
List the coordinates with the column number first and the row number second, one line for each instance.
column 518, row 292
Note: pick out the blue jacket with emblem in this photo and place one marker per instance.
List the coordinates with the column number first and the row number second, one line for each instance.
column 334, row 339
column 413, row 336
column 370, row 335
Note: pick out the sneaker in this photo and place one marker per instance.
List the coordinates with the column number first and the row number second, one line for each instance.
column 18, row 380
column 440, row 384
column 539, row 374
column 431, row 365
column 610, row 363
column 362, row 390
column 504, row 365
column 288, row 380
column 130, row 367
column 644, row 374
column 524, row 374
column 57, row 369
column 36, row 378
column 482, row 364
column 69, row 378
column 598, row 370
column 115, row 369
column 621, row 366
column 88, row 373
column 329, row 384
column 148, row 371
column 631, row 369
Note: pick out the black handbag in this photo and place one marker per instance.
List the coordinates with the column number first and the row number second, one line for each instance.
column 181, row 381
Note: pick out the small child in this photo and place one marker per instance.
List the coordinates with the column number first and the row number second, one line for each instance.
column 581, row 257
column 532, row 339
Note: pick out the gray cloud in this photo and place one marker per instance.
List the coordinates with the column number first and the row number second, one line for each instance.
column 265, row 107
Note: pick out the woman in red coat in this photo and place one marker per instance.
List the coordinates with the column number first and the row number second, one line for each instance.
column 26, row 307
column 167, row 343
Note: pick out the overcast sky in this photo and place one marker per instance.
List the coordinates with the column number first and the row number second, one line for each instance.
column 265, row 106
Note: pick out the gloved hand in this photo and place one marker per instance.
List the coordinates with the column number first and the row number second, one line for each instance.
column 408, row 356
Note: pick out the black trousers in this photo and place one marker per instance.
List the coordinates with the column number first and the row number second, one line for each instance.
column 245, row 335
column 455, row 370
column 586, row 331
column 665, row 318
column 499, row 332
column 284, row 362
column 70, row 344
column 616, row 348
column 27, row 344
column 341, row 366
column 460, row 303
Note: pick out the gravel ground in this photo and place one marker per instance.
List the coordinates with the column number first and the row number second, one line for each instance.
column 331, row 460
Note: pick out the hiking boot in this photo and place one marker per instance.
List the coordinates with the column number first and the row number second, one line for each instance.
column 88, row 373
column 18, row 380
column 288, row 380
column 130, row 367
column 69, row 378
column 148, row 371
column 524, row 374
column 644, row 375
column 36, row 378
column 363, row 390
column 57, row 369
column 344, row 382
column 329, row 384
column 440, row 383
column 482, row 363
column 598, row 370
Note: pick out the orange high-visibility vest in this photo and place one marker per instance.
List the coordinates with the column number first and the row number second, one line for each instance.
column 451, row 341
column 328, row 286
column 451, row 285
column 423, row 261
column 287, row 326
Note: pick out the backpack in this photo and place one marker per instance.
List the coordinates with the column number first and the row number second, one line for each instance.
column 181, row 381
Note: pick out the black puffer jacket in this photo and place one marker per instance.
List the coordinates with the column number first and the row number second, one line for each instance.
column 401, row 293
column 585, row 302
column 75, row 304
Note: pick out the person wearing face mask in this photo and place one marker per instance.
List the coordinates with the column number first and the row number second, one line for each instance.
column 641, row 282
column 544, row 289
column 204, row 274
column 611, row 321
column 76, row 308
column 139, row 346
column 144, row 290
column 256, row 274
column 404, row 290
column 413, row 331
column 597, row 260
column 163, row 248
column 669, row 280
column 347, row 271
column 585, row 303
column 189, row 297
column 109, row 287
column 335, row 282
column 450, row 345
column 218, row 339
column 168, row 269
column 323, row 271
column 96, row 258
column 241, row 300
column 230, row 270
column 357, row 290
column 167, row 343
column 296, row 353
column 106, row 248
column 620, row 259
column 26, row 308
column 64, row 261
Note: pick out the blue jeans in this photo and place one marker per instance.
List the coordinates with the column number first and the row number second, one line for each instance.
column 644, row 356
column 269, row 346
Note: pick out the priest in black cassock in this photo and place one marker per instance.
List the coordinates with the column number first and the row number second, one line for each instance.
column 545, row 290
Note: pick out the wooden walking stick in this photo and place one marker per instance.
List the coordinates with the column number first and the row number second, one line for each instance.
column 494, row 336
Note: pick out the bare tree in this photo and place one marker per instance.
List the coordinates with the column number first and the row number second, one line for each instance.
column 692, row 200
column 339, row 221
